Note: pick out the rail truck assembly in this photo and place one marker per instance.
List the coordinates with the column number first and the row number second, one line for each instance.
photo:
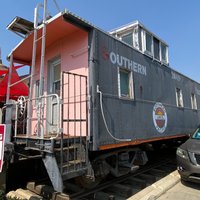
column 95, row 99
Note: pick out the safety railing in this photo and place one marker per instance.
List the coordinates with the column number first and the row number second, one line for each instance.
column 41, row 119
column 74, row 117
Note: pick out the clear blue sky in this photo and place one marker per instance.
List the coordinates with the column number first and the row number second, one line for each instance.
column 177, row 22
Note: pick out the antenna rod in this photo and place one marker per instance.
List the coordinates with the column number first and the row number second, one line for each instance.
column 0, row 56
column 57, row 6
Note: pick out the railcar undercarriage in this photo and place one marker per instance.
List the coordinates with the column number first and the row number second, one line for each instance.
column 117, row 163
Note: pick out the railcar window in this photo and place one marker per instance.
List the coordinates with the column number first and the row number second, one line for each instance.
column 56, row 79
column 148, row 43
column 164, row 53
column 193, row 101
column 125, row 82
column 179, row 97
column 156, row 49
column 128, row 38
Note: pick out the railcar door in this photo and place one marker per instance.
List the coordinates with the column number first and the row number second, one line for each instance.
column 53, row 87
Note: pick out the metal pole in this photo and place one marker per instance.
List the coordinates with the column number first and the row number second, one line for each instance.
column 42, row 64
column 43, row 50
column 62, row 125
column 9, row 106
column 9, row 79
column 21, row 80
column 57, row 6
column 29, row 111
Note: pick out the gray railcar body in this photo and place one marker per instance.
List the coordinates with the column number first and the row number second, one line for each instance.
column 153, row 82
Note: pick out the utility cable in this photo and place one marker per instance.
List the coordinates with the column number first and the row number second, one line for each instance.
column 104, row 120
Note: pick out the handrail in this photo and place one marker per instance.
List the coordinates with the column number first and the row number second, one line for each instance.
column 58, row 121
column 38, row 108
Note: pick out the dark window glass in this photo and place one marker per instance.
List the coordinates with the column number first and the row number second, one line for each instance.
column 56, row 87
column 56, row 80
column 179, row 97
column 148, row 42
column 124, row 83
column 164, row 52
column 128, row 39
column 193, row 101
column 156, row 48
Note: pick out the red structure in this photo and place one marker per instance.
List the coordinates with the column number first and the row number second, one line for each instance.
column 18, row 89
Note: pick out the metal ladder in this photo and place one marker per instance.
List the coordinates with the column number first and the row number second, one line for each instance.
column 35, row 40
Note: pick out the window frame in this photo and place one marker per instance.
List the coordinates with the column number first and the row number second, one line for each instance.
column 52, row 81
column 150, row 53
column 166, row 54
column 193, row 101
column 136, row 42
column 179, row 98
column 126, row 34
column 159, row 49
column 56, row 82
column 130, row 95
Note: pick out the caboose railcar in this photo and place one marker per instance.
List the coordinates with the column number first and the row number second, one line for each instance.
column 96, row 96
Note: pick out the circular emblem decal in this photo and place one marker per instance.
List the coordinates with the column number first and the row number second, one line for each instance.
column 159, row 117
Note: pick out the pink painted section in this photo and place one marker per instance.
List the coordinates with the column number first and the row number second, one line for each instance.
column 73, row 53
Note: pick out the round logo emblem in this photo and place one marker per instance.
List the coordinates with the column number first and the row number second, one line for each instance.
column 159, row 117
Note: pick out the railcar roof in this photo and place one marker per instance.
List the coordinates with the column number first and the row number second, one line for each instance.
column 57, row 27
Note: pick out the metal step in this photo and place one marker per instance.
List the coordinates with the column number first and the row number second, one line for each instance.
column 73, row 168
column 73, row 163
column 75, row 173
column 71, row 147
column 70, row 153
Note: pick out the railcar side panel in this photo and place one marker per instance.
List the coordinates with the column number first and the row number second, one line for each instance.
column 152, row 111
